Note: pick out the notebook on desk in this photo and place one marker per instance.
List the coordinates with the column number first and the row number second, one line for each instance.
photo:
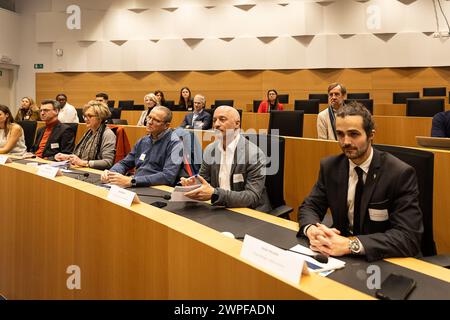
column 433, row 142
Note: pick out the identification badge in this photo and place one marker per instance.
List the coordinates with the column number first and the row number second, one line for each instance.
column 142, row 157
column 54, row 145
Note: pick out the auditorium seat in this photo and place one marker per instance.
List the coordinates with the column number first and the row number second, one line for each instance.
column 310, row 106
column 256, row 104
column 126, row 104
column 323, row 97
column 361, row 95
column 283, row 98
column 400, row 97
column 29, row 131
column 434, row 92
column 368, row 103
column 424, row 107
column 288, row 123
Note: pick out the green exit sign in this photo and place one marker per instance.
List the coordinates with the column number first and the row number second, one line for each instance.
column 39, row 66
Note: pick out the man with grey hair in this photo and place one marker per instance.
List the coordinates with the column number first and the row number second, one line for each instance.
column 233, row 169
column 157, row 157
column 199, row 118
column 55, row 137
column 326, row 120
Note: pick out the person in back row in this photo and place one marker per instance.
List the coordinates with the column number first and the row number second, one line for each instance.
column 373, row 197
column 441, row 125
column 157, row 157
column 232, row 173
column 271, row 103
column 97, row 147
column 67, row 112
column 55, row 137
column 150, row 101
column 12, row 138
column 27, row 110
column 326, row 120
column 199, row 118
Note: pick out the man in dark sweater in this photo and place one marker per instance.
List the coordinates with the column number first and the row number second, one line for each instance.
column 157, row 157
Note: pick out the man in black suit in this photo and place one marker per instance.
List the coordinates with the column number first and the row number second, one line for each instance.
column 55, row 137
column 199, row 118
column 373, row 197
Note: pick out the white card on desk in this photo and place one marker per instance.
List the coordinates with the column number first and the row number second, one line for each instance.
column 285, row 264
column 4, row 159
column 48, row 171
column 179, row 191
column 316, row 266
column 122, row 196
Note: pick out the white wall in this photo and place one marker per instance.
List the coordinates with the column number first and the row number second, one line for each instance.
column 146, row 35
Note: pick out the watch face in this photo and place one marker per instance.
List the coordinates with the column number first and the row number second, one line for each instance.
column 354, row 246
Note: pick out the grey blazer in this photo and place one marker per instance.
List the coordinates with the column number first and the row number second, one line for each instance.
column 249, row 161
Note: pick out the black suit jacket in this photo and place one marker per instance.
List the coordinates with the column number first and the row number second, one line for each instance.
column 62, row 134
column 204, row 117
column 390, row 185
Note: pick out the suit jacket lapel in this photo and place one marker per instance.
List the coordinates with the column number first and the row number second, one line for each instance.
column 240, row 148
column 369, row 185
column 341, row 186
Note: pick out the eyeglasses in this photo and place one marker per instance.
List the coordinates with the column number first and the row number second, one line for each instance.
column 90, row 116
column 150, row 118
column 45, row 110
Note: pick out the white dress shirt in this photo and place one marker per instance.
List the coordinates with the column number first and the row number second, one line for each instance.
column 68, row 114
column 226, row 161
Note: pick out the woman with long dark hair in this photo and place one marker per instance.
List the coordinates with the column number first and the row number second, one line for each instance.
column 271, row 103
column 12, row 138
column 185, row 103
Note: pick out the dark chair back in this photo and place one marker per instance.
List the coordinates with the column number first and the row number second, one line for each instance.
column 323, row 97
column 368, row 103
column 120, row 121
column 400, row 97
column 139, row 107
column 360, row 95
column 80, row 115
column 424, row 107
column 434, row 92
column 310, row 106
column 219, row 103
column 423, row 163
column 274, row 149
column 256, row 104
column 169, row 104
column 126, row 104
column 111, row 103
column 74, row 127
column 289, row 123
column 115, row 114
column 29, row 130
column 283, row 98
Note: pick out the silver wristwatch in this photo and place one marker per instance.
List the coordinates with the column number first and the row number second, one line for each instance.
column 354, row 245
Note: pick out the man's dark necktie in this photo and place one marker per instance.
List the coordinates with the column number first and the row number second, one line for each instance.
column 357, row 207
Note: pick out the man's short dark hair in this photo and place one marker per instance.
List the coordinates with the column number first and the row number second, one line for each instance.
column 354, row 108
column 61, row 94
column 337, row 84
column 54, row 103
column 102, row 95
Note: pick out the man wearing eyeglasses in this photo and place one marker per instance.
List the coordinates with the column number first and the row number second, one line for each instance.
column 157, row 157
column 55, row 137
column 326, row 120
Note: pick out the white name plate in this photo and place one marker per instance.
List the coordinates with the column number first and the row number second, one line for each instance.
column 5, row 159
column 48, row 171
column 285, row 264
column 121, row 196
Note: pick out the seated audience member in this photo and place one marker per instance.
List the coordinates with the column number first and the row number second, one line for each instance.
column 185, row 103
column 97, row 147
column 150, row 101
column 27, row 110
column 102, row 97
column 373, row 197
column 12, row 138
column 326, row 120
column 441, row 125
column 232, row 171
column 199, row 118
column 157, row 157
column 160, row 96
column 271, row 103
column 67, row 112
column 55, row 137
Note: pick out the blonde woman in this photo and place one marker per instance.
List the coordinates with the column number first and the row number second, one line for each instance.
column 97, row 148
column 150, row 101
column 12, row 138
column 27, row 110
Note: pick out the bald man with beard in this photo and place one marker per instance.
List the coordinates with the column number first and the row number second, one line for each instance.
column 233, row 169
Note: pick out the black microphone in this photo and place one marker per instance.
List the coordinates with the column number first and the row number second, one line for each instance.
column 165, row 196
column 84, row 174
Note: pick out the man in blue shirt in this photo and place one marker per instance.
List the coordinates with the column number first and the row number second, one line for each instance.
column 157, row 157
column 441, row 125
